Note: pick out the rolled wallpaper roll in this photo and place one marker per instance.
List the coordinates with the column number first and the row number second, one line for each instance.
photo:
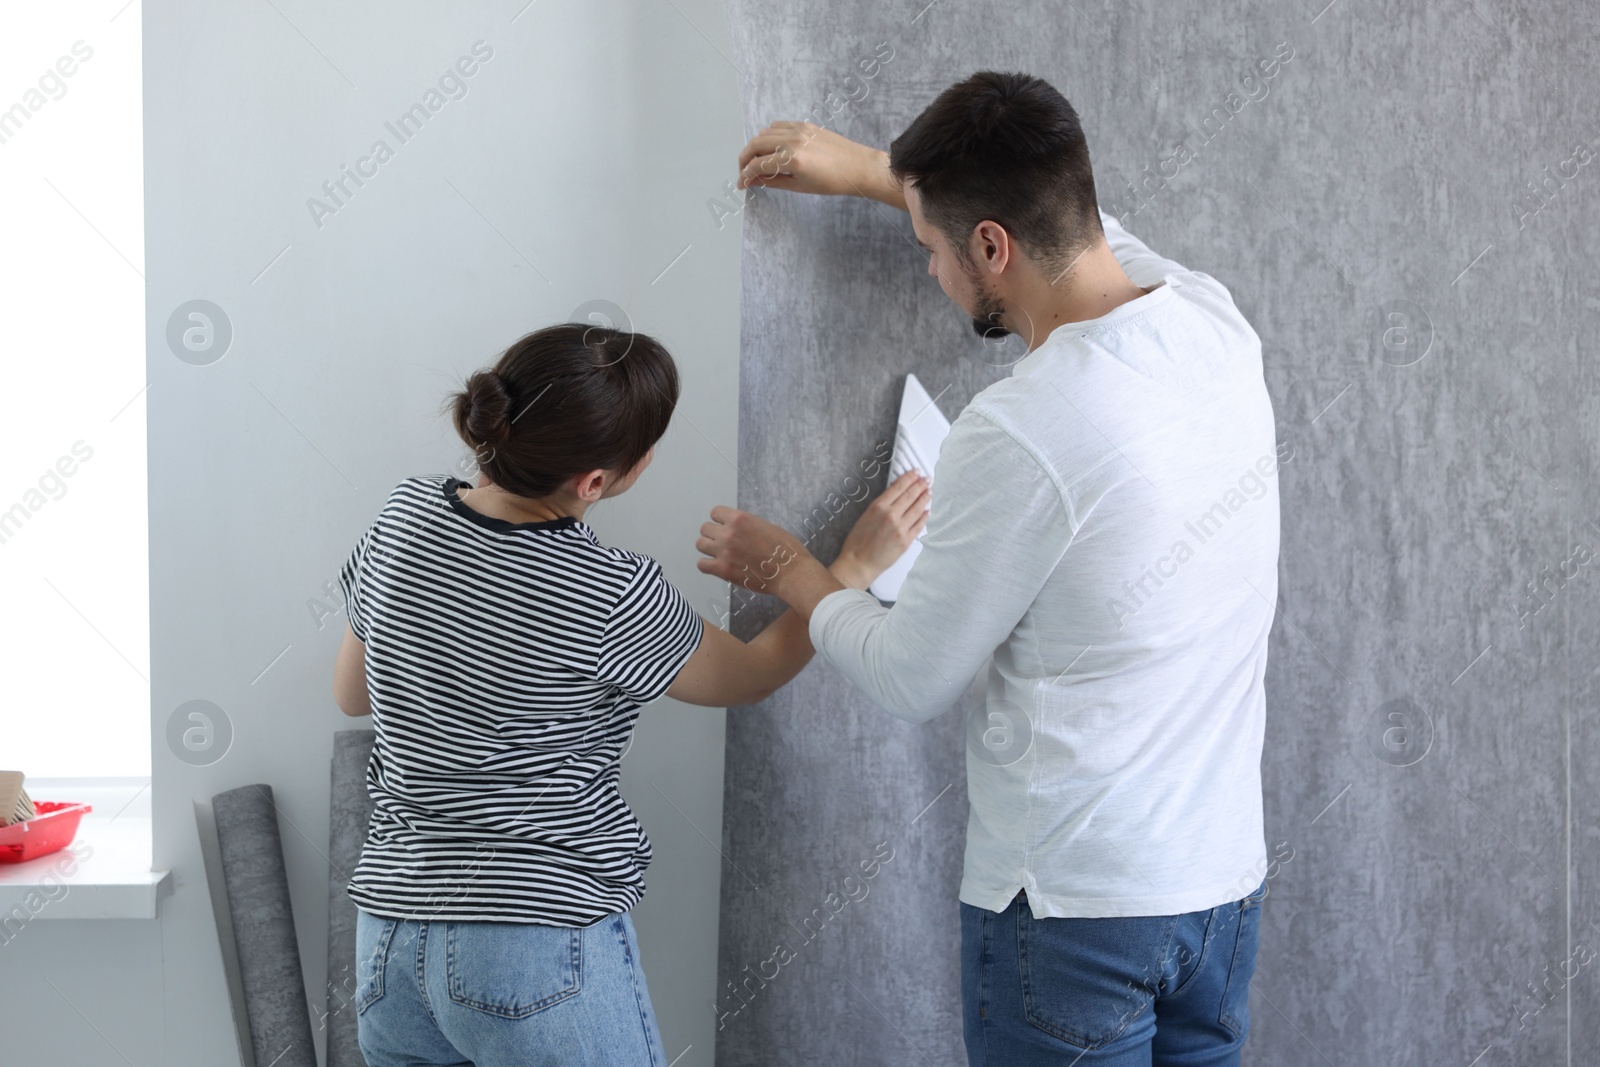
column 263, row 927
column 349, row 812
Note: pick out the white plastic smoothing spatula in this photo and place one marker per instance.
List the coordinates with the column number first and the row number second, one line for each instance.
column 919, row 431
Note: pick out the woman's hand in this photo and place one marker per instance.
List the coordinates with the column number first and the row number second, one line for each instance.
column 884, row 531
column 748, row 550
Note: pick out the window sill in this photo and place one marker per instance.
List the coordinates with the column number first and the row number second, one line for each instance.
column 110, row 878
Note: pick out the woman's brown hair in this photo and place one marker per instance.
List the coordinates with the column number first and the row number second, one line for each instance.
column 565, row 400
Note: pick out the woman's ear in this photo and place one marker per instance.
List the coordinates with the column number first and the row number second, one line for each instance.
column 591, row 486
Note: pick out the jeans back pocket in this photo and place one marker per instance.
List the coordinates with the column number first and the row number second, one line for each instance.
column 373, row 936
column 512, row 970
column 1085, row 980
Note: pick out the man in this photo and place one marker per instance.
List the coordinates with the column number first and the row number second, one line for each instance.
column 1103, row 543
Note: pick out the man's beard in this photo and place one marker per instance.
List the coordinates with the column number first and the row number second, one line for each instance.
column 986, row 317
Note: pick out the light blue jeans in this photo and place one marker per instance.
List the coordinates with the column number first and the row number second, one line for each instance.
column 497, row 994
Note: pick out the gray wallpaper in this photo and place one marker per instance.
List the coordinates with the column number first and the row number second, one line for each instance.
column 1405, row 211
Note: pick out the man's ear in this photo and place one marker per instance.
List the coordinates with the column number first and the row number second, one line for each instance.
column 991, row 246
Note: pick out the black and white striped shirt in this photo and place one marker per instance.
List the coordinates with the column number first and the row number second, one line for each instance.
column 506, row 664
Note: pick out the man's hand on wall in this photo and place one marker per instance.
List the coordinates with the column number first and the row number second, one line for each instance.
column 806, row 158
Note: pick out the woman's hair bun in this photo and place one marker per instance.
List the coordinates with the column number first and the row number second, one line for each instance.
column 564, row 400
column 483, row 410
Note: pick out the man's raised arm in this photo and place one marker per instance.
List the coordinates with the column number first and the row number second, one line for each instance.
column 1142, row 266
column 806, row 158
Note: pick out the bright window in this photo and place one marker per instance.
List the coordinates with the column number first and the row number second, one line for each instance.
column 74, row 575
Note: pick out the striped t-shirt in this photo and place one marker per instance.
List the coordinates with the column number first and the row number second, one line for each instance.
column 506, row 663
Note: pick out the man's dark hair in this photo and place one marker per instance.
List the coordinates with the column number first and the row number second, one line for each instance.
column 1008, row 148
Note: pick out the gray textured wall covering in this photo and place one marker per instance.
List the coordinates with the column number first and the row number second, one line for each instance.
column 1404, row 211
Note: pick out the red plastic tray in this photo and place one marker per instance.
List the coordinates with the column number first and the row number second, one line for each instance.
column 51, row 830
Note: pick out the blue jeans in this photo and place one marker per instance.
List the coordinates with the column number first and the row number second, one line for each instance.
column 1121, row 992
column 494, row 994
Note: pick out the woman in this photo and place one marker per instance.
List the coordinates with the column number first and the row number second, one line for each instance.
column 504, row 654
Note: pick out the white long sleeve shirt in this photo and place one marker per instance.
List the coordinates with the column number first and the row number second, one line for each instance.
column 1103, row 546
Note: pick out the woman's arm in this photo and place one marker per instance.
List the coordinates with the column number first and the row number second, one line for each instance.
column 727, row 672
column 350, row 675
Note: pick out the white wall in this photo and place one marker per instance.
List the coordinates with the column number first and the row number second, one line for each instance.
column 576, row 168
